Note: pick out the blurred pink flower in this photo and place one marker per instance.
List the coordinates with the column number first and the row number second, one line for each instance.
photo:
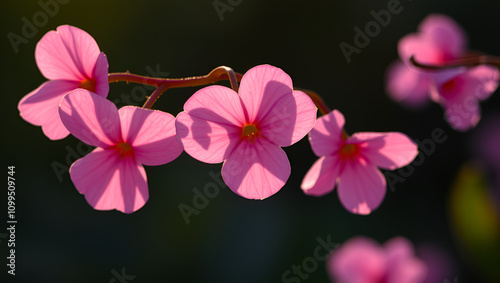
column 361, row 260
column 112, row 175
column 441, row 40
column 246, row 130
column 459, row 92
column 352, row 162
column 69, row 58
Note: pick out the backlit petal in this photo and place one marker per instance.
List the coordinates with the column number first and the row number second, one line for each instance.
column 151, row 133
column 110, row 181
column 256, row 170
column 322, row 176
column 90, row 118
column 326, row 136
column 361, row 187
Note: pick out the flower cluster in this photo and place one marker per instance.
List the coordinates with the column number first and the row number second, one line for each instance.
column 245, row 127
column 439, row 42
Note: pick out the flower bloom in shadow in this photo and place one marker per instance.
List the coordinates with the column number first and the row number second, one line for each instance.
column 439, row 41
column 69, row 58
column 247, row 129
column 351, row 162
column 112, row 175
column 362, row 260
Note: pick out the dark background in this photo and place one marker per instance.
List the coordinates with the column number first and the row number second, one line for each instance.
column 60, row 238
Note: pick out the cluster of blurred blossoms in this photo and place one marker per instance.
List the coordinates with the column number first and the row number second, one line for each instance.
column 246, row 126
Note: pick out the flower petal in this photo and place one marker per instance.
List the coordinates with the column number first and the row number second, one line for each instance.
column 90, row 118
column 290, row 120
column 326, row 136
column 260, row 88
column 67, row 54
column 217, row 104
column 422, row 50
column 109, row 181
column 100, row 75
column 256, row 170
column 459, row 95
column 40, row 107
column 361, row 187
column 408, row 85
column 405, row 267
column 359, row 260
column 322, row 176
column 151, row 134
column 206, row 141
column 445, row 33
column 386, row 150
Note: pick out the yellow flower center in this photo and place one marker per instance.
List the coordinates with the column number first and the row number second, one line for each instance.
column 88, row 84
column 250, row 131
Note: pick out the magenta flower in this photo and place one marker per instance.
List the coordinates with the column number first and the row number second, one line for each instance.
column 441, row 40
column 112, row 175
column 69, row 58
column 248, row 130
column 361, row 260
column 459, row 92
column 351, row 162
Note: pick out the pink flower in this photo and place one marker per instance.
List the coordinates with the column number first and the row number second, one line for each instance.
column 70, row 59
column 438, row 41
column 459, row 92
column 351, row 162
column 248, row 130
column 361, row 260
column 112, row 175
column 441, row 40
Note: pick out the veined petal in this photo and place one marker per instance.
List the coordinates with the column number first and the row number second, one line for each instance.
column 217, row 104
column 290, row 119
column 151, row 133
column 256, row 170
column 326, row 136
column 40, row 107
column 90, row 118
column 386, row 150
column 110, row 181
column 67, row 54
column 260, row 88
column 361, row 187
column 322, row 176
column 408, row 85
column 204, row 140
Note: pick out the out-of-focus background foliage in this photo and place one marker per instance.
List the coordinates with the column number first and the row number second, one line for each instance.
column 60, row 238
